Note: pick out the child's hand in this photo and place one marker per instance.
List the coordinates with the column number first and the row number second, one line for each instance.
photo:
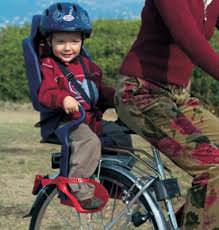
column 70, row 105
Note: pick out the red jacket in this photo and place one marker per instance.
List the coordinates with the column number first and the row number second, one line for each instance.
column 173, row 36
column 55, row 87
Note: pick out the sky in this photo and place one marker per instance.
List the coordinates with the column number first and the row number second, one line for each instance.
column 20, row 11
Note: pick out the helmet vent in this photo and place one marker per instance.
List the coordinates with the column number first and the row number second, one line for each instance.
column 75, row 8
column 59, row 7
column 47, row 12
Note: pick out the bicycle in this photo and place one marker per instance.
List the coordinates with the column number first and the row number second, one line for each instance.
column 135, row 195
column 127, row 184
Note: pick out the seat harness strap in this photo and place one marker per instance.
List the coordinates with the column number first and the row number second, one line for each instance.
column 71, row 78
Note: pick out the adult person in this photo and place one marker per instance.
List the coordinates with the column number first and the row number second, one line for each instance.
column 153, row 98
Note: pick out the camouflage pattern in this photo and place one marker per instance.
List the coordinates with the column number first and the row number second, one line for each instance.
column 175, row 123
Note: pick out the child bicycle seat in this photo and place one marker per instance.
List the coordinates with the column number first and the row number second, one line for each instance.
column 34, row 48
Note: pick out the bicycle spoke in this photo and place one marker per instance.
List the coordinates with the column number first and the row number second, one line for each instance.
column 114, row 203
column 63, row 218
column 89, row 224
column 101, row 217
column 79, row 219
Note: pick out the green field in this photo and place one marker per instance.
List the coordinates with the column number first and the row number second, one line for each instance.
column 22, row 156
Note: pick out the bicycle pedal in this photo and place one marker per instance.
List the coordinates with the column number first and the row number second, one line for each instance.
column 138, row 218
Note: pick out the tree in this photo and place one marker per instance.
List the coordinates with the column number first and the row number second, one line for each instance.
column 13, row 84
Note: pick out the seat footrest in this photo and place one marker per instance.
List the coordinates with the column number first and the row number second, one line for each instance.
column 62, row 184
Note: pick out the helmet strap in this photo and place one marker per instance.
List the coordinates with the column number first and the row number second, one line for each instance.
column 49, row 40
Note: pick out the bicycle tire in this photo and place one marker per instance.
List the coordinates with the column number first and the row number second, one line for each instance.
column 117, row 184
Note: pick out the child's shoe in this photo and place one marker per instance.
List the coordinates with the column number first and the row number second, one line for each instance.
column 91, row 203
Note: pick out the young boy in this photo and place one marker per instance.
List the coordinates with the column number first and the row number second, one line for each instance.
column 65, row 26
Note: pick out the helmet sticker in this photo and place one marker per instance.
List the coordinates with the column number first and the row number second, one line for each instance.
column 68, row 17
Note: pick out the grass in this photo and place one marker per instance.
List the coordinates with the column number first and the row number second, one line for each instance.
column 22, row 157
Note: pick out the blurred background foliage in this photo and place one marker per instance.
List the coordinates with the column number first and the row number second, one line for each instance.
column 110, row 42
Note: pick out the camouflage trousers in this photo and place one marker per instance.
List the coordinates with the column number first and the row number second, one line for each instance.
column 176, row 124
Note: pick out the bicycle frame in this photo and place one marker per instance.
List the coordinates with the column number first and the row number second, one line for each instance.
column 161, row 171
column 143, row 187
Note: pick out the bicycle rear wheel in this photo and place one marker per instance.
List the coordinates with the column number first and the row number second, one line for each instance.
column 50, row 214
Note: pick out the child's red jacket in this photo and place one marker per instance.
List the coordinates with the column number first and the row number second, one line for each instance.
column 55, row 87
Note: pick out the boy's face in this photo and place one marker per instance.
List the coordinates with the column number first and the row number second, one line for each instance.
column 66, row 45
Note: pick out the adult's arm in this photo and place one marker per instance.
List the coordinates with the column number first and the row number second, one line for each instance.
column 106, row 97
column 106, row 93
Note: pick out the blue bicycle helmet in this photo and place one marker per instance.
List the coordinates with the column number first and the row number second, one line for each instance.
column 65, row 17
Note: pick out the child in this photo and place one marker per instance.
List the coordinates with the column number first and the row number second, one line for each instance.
column 65, row 26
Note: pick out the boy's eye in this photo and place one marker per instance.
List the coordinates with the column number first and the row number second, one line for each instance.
column 75, row 41
column 59, row 41
column 62, row 41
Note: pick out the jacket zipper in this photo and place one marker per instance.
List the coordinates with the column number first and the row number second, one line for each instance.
column 205, row 14
column 206, row 3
